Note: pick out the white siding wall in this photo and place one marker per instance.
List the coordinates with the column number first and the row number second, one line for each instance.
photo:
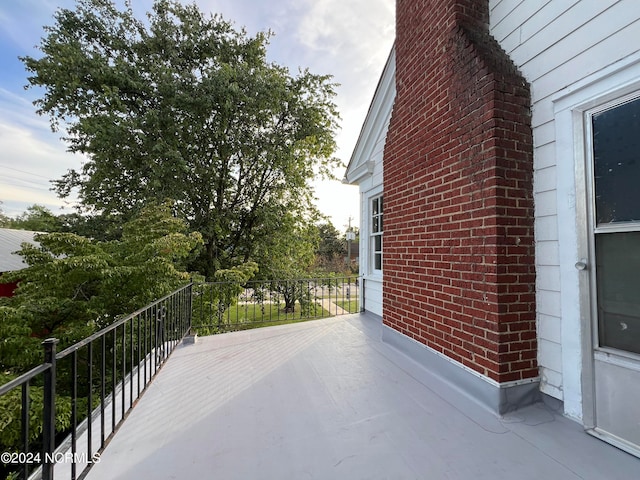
column 369, row 188
column 557, row 44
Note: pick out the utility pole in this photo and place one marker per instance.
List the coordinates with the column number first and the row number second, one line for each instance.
column 350, row 237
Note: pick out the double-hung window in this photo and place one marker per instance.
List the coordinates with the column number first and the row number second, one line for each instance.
column 376, row 234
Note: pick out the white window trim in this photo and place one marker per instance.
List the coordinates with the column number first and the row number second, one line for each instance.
column 373, row 235
column 366, row 257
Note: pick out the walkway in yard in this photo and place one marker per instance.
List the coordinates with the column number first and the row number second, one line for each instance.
column 328, row 400
column 333, row 308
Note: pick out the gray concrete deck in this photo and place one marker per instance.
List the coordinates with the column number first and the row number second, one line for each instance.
column 328, row 400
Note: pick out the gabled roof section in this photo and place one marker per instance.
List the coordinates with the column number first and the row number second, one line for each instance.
column 361, row 163
column 10, row 241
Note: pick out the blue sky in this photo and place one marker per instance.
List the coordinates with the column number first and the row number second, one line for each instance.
column 349, row 39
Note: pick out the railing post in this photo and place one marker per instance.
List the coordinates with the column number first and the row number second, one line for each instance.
column 26, row 406
column 49, row 409
column 189, row 311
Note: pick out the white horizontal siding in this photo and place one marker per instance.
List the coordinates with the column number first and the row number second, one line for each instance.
column 508, row 18
column 548, row 277
column 551, row 382
column 551, row 378
column 545, row 179
column 556, row 44
column 547, row 253
column 600, row 55
column 548, row 303
column 543, row 133
column 546, row 203
column 546, row 155
column 373, row 295
column 548, row 327
column 546, row 229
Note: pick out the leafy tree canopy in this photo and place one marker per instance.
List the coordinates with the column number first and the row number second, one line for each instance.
column 37, row 218
column 96, row 226
column 292, row 255
column 182, row 106
column 74, row 286
column 331, row 249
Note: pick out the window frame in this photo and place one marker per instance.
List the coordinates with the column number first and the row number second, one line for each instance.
column 376, row 230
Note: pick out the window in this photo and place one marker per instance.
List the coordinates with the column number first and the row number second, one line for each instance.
column 616, row 167
column 376, row 233
column 616, row 221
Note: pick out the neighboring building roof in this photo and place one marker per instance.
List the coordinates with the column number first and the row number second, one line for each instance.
column 10, row 241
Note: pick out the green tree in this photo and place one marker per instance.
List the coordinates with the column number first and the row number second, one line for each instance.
column 331, row 248
column 199, row 114
column 37, row 218
column 74, row 285
column 99, row 227
column 292, row 259
column 212, row 300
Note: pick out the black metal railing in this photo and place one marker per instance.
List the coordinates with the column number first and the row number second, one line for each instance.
column 72, row 404
column 99, row 379
column 226, row 306
column 26, row 458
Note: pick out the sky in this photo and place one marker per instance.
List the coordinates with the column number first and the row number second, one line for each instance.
column 348, row 39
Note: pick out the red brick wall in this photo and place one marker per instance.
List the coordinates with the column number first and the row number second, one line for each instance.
column 458, row 237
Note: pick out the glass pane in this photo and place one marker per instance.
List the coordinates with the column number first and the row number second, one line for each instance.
column 616, row 152
column 377, row 252
column 377, row 240
column 376, row 226
column 374, row 206
column 618, row 277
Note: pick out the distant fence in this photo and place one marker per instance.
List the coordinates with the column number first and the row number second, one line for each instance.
column 225, row 306
column 99, row 378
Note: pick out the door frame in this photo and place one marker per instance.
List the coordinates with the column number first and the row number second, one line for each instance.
column 596, row 353
column 574, row 235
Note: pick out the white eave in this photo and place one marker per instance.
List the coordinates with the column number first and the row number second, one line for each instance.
column 360, row 165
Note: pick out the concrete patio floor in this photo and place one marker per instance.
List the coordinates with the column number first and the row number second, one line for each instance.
column 329, row 400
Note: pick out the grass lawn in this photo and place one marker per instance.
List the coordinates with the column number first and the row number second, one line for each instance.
column 244, row 317
column 350, row 306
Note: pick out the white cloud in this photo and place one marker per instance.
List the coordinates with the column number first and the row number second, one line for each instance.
column 26, row 166
column 346, row 30
column 30, row 156
column 350, row 40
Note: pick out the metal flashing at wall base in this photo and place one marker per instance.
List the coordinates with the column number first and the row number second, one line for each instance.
column 500, row 398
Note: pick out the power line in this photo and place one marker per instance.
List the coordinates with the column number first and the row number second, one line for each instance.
column 23, row 185
column 24, row 171
column 15, row 181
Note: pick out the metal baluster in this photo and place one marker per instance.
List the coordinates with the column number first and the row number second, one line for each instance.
column 49, row 409
column 26, row 405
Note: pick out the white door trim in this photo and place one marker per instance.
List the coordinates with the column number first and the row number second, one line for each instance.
column 570, row 106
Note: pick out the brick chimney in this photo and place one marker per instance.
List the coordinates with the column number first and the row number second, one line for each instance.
column 458, row 266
